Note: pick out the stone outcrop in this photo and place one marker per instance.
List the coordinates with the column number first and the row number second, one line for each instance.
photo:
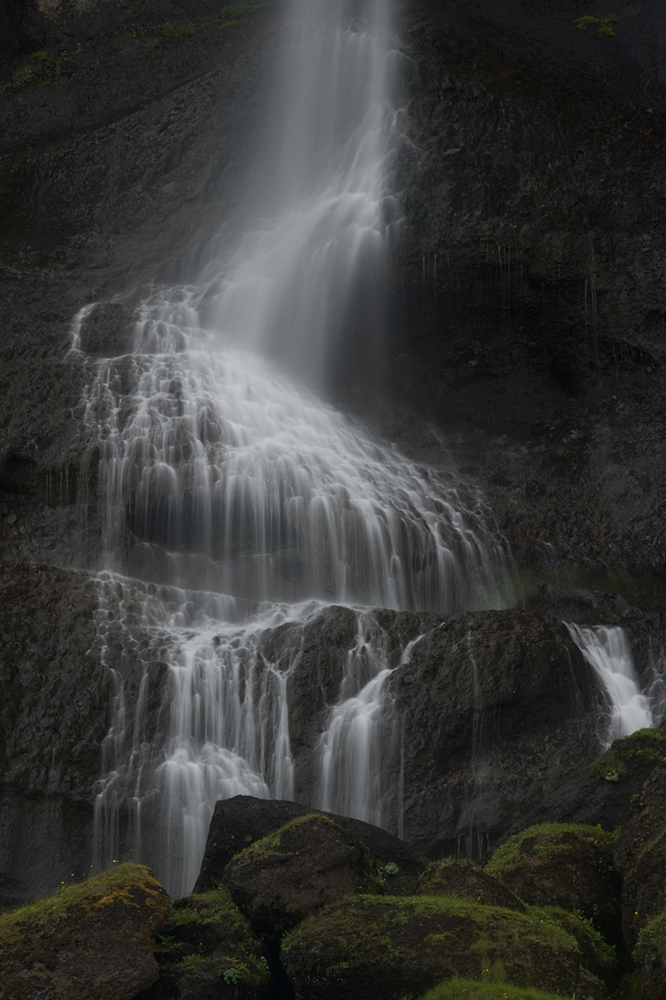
column 92, row 939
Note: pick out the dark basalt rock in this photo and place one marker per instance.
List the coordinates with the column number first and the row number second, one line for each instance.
column 90, row 940
column 306, row 864
column 239, row 822
column 499, row 713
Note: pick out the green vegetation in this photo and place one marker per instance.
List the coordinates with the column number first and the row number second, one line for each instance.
column 643, row 749
column 470, row 989
column 208, row 938
column 43, row 68
column 605, row 25
column 153, row 36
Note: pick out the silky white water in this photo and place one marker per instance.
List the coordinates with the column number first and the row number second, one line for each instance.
column 609, row 653
column 235, row 500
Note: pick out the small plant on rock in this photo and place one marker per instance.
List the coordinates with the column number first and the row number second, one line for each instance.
column 605, row 25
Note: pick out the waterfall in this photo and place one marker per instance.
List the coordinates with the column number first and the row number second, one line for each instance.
column 233, row 499
column 627, row 709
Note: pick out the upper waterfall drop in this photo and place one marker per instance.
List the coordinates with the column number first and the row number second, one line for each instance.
column 321, row 245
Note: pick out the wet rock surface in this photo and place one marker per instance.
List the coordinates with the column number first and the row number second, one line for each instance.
column 498, row 710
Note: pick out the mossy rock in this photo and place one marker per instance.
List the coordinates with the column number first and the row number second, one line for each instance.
column 208, row 949
column 636, row 754
column 563, row 864
column 470, row 989
column 597, row 956
column 641, row 857
column 242, row 820
column 387, row 948
column 307, row 863
column 451, row 877
column 91, row 939
column 649, row 953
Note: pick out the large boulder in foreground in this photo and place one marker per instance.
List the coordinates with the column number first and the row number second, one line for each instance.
column 242, row 820
column 306, row 864
column 208, row 951
column 92, row 939
column 375, row 948
column 563, row 864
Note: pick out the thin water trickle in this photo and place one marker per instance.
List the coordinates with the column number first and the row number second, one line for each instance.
column 234, row 500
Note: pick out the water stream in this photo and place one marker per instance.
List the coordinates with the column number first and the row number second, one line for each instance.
column 609, row 653
column 235, row 500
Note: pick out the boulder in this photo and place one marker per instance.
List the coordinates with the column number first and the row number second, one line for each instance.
column 240, row 821
column 208, row 951
column 563, row 864
column 641, row 859
column 92, row 939
column 461, row 877
column 306, row 864
column 374, row 948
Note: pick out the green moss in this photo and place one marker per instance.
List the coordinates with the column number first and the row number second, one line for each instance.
column 44, row 67
column 604, row 25
column 470, row 989
column 544, row 843
column 93, row 896
column 643, row 749
column 270, row 845
column 449, row 933
column 156, row 35
column 207, row 937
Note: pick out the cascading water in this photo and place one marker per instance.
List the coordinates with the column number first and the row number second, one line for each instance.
column 234, row 500
column 609, row 653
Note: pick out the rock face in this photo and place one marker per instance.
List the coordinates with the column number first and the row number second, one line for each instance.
column 90, row 940
column 497, row 709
